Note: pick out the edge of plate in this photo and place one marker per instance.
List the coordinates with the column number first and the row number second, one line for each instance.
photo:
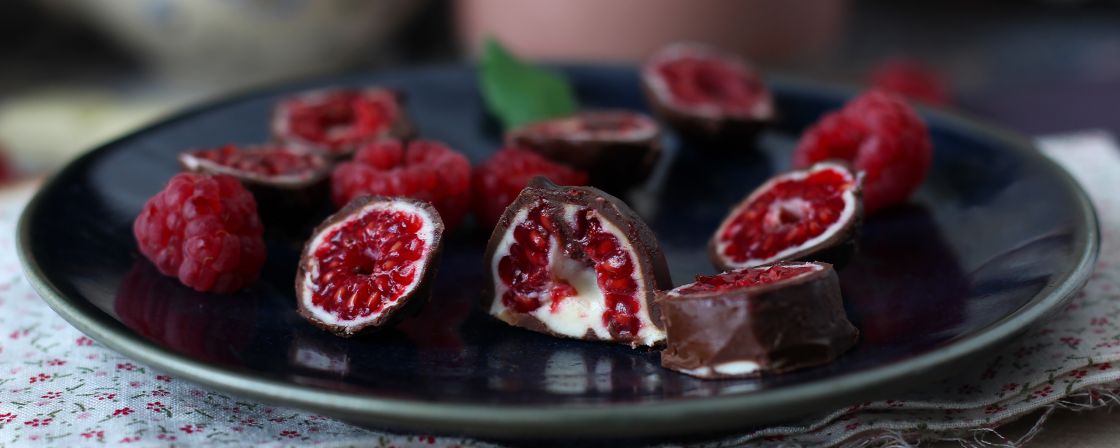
column 622, row 420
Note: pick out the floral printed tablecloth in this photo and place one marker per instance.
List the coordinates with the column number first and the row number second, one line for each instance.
column 60, row 388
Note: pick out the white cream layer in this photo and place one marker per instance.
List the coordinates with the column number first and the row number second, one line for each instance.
column 733, row 368
column 576, row 315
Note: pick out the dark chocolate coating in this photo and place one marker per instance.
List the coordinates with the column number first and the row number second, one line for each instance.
column 614, row 165
column 402, row 128
column 781, row 326
column 653, row 270
column 836, row 250
column 281, row 205
column 408, row 304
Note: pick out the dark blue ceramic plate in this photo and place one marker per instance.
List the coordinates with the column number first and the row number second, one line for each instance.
column 996, row 238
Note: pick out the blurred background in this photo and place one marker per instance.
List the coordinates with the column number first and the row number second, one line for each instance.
column 78, row 72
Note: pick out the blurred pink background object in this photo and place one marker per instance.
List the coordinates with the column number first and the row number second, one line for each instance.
column 628, row 30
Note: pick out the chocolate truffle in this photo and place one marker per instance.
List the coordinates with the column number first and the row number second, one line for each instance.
column 370, row 264
column 707, row 94
column 338, row 121
column 618, row 148
column 753, row 321
column 575, row 262
column 289, row 185
column 811, row 215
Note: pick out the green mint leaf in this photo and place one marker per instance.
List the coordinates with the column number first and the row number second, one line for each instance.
column 517, row 92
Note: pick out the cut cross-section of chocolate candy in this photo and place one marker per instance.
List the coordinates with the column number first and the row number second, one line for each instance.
column 752, row 321
column 812, row 214
column 618, row 148
column 708, row 93
column 337, row 121
column 287, row 183
column 576, row 262
column 366, row 263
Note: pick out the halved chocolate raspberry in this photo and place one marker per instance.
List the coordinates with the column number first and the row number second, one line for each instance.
column 286, row 183
column 811, row 214
column 766, row 319
column 705, row 92
column 617, row 148
column 366, row 263
column 575, row 262
column 337, row 121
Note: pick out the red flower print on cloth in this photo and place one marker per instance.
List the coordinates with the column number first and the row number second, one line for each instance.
column 39, row 422
column 993, row 408
column 122, row 411
column 94, row 435
column 289, row 434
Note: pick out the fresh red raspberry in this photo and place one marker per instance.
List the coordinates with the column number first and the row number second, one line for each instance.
column 421, row 169
column 498, row 181
column 912, row 80
column 879, row 134
column 204, row 230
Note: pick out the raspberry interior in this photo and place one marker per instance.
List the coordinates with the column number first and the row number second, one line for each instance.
column 368, row 263
column 786, row 214
column 534, row 273
column 338, row 119
column 525, row 270
column 746, row 278
column 614, row 270
column 696, row 81
column 265, row 161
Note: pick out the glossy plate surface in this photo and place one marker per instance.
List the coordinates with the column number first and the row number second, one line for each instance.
column 996, row 238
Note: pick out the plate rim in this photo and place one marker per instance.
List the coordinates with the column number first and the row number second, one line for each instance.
column 566, row 421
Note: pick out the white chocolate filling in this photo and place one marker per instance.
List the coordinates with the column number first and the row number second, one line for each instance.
column 733, row 368
column 574, row 316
